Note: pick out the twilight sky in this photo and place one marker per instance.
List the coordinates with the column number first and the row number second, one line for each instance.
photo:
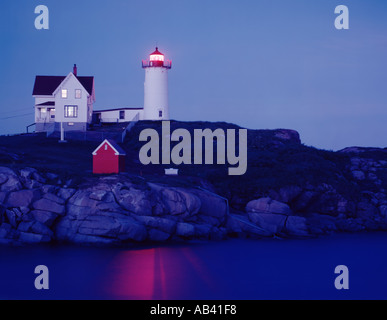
column 258, row 63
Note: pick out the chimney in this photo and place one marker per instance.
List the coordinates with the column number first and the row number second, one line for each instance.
column 75, row 70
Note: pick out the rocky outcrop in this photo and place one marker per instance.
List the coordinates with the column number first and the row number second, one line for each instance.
column 37, row 207
column 105, row 210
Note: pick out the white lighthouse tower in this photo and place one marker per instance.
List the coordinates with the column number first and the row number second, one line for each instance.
column 156, row 86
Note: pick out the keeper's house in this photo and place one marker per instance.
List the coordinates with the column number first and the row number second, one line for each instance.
column 67, row 100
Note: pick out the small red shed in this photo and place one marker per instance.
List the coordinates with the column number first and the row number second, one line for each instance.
column 109, row 157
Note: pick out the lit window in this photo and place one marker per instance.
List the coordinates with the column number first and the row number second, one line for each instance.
column 64, row 93
column 78, row 93
column 71, row 111
column 156, row 57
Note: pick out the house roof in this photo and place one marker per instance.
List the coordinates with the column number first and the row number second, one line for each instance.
column 87, row 83
column 46, row 85
column 118, row 150
column 48, row 103
column 118, row 109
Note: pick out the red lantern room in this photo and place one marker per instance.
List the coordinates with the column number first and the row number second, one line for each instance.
column 156, row 59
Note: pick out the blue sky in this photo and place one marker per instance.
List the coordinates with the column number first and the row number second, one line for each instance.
column 261, row 64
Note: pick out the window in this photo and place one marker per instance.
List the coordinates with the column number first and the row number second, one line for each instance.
column 156, row 57
column 160, row 113
column 71, row 111
column 78, row 93
column 64, row 93
column 122, row 115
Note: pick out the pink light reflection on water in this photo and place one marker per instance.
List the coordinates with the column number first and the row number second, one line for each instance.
column 157, row 273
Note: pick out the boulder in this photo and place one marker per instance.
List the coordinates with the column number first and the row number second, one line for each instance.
column 12, row 184
column 296, row 226
column 358, row 175
column 52, row 176
column 54, row 198
column 304, row 200
column 178, row 201
column 288, row 135
column 134, row 200
column 45, row 217
column 47, row 188
column 22, row 198
column 37, row 177
column 273, row 223
column 366, row 210
column 81, row 198
column 212, row 205
column 185, row 230
column 350, row 225
column 3, row 178
column 5, row 229
column 66, row 193
column 158, row 235
column 203, row 230
column 99, row 226
column 383, row 211
column 209, row 220
column 218, row 234
column 12, row 218
column 32, row 184
column 48, row 205
column 267, row 205
column 98, row 195
column 91, row 240
column 7, row 171
column 327, row 203
column 32, row 238
column 289, row 193
column 27, row 172
column 3, row 195
column 165, row 225
column 35, row 227
column 131, row 230
column 320, row 224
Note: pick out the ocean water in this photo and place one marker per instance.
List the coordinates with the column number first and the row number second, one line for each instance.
column 231, row 269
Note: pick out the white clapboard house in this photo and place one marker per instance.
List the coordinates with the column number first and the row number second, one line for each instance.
column 65, row 101
column 68, row 101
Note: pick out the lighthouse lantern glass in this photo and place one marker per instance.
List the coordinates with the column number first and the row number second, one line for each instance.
column 156, row 57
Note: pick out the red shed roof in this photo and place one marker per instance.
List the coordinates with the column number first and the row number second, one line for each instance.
column 117, row 149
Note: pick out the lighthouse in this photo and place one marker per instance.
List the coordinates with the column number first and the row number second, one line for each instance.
column 156, row 86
